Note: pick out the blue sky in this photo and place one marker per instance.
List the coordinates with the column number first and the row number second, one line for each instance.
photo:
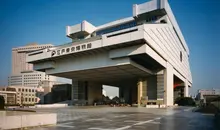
column 44, row 21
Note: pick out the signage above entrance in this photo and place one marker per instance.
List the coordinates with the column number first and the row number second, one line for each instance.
column 71, row 49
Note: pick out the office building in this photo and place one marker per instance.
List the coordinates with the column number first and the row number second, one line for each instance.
column 23, row 95
column 19, row 63
column 9, row 96
column 207, row 92
column 144, row 55
column 23, row 73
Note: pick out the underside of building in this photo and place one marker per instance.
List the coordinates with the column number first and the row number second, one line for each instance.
column 146, row 56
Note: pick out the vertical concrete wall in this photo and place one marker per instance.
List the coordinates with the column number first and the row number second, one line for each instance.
column 152, row 88
column 160, row 86
column 186, row 89
column 75, row 86
column 94, row 92
column 139, row 91
column 128, row 90
column 168, row 84
column 125, row 93
column 134, row 94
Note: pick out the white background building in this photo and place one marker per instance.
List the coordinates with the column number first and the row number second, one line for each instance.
column 19, row 63
column 23, row 73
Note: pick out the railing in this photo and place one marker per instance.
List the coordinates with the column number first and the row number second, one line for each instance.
column 79, row 41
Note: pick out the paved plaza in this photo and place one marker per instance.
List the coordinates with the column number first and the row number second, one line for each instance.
column 129, row 119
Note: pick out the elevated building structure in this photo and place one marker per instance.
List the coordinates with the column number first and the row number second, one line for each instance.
column 145, row 55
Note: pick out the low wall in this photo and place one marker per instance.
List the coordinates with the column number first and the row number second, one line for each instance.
column 155, row 106
column 50, row 105
column 29, row 120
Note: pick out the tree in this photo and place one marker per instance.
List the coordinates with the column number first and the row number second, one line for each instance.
column 185, row 101
column 2, row 103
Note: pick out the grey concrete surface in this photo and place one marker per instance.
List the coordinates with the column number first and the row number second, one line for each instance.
column 181, row 118
column 14, row 120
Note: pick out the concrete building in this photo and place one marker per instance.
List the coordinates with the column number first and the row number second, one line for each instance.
column 19, row 63
column 33, row 78
column 22, row 72
column 144, row 55
column 47, row 94
column 24, row 95
column 207, row 92
column 9, row 96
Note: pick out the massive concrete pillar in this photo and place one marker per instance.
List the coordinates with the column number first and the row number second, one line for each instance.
column 79, row 92
column 168, row 85
column 94, row 92
column 128, row 91
column 160, row 87
column 152, row 87
column 125, row 93
column 74, row 94
column 186, row 89
column 141, row 90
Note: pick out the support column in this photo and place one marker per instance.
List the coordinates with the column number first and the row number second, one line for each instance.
column 94, row 92
column 139, row 91
column 186, row 89
column 160, row 87
column 74, row 91
column 168, row 85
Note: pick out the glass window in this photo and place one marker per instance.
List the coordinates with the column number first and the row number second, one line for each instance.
column 181, row 56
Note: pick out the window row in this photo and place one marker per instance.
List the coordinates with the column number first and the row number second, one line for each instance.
column 40, row 47
column 32, row 75
column 117, row 28
column 30, row 99
column 26, row 90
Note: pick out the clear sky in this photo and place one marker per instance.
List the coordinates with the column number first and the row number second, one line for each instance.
column 44, row 21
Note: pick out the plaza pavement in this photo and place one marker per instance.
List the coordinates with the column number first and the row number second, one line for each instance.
column 129, row 118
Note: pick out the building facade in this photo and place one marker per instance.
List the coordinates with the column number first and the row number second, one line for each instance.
column 206, row 92
column 33, row 78
column 144, row 55
column 10, row 97
column 23, row 73
column 19, row 63
column 23, row 95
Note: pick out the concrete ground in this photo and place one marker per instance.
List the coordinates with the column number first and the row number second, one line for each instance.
column 130, row 118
